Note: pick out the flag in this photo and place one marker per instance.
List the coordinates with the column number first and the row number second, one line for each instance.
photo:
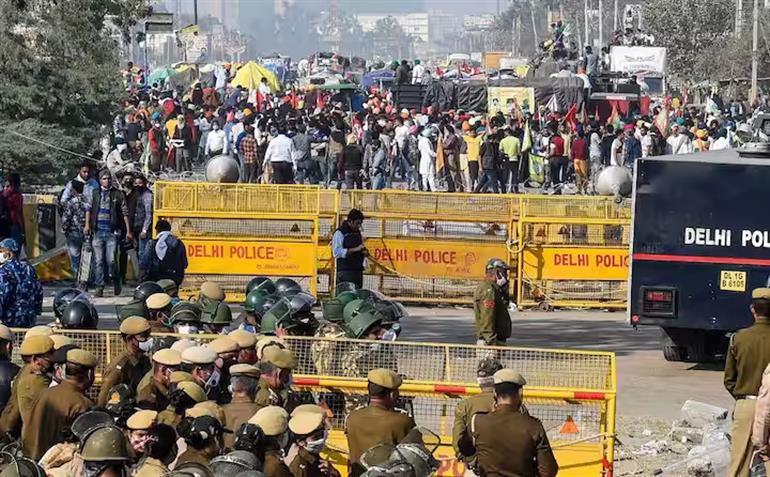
column 614, row 118
column 319, row 99
column 582, row 115
column 571, row 117
column 526, row 144
column 596, row 113
column 711, row 106
column 439, row 153
column 661, row 122
column 259, row 101
column 294, row 99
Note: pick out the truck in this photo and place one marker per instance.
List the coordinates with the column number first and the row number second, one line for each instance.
column 700, row 242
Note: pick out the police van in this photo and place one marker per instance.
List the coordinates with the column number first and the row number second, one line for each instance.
column 700, row 242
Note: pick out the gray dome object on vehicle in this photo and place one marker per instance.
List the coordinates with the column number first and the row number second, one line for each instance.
column 222, row 169
column 614, row 181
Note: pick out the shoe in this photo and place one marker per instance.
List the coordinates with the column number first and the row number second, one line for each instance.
column 99, row 292
column 118, row 288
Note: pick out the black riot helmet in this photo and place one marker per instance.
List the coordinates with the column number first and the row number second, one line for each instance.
column 63, row 298
column 302, row 303
column 286, row 287
column 79, row 315
column 146, row 289
column 263, row 284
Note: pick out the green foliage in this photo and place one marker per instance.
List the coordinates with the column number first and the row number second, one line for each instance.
column 687, row 28
column 59, row 80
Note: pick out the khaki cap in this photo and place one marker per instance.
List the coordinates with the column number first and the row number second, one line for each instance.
column 36, row 344
column 212, row 291
column 281, row 358
column 245, row 370
column 81, row 357
column 183, row 344
column 763, row 293
column 273, row 420
column 142, row 420
column 314, row 408
column 223, row 344
column 384, row 377
column 244, row 338
column 134, row 325
column 305, row 423
column 60, row 340
column 507, row 375
column 167, row 357
column 177, row 377
column 199, row 355
column 193, row 390
column 265, row 341
column 6, row 333
column 39, row 330
column 158, row 301
column 207, row 408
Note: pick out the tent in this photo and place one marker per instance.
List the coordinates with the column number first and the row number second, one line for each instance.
column 185, row 75
column 160, row 75
column 250, row 75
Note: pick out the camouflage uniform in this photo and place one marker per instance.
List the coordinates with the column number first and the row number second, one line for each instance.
column 21, row 294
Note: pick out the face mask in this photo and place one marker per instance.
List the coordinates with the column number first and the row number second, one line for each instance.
column 502, row 278
column 186, row 329
column 389, row 335
column 4, row 257
column 249, row 328
column 213, row 381
column 316, row 446
column 147, row 345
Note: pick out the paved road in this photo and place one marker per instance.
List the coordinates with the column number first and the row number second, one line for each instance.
column 648, row 385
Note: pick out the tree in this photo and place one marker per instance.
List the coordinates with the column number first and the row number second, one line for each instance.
column 59, row 83
column 687, row 28
column 389, row 40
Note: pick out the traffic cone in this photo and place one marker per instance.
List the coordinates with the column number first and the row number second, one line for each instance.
column 569, row 427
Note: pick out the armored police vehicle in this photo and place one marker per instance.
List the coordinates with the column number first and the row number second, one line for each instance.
column 700, row 243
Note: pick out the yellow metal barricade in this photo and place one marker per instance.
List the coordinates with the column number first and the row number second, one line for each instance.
column 431, row 247
column 234, row 232
column 574, row 251
column 572, row 392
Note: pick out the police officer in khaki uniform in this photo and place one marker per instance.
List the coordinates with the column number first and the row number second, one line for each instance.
column 31, row 385
column 227, row 351
column 747, row 358
column 244, row 379
column 204, row 441
column 159, row 307
column 152, row 391
column 8, row 370
column 508, row 442
column 274, row 422
column 161, row 451
column 478, row 403
column 379, row 422
column 60, row 405
column 247, row 342
column 186, row 395
column 139, row 428
column 130, row 366
column 276, row 366
column 490, row 305
column 199, row 361
column 310, row 435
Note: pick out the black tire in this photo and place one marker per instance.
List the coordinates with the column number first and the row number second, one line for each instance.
column 669, row 343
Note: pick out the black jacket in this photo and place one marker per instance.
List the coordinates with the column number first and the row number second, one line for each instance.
column 352, row 158
column 8, row 371
column 173, row 264
column 118, row 208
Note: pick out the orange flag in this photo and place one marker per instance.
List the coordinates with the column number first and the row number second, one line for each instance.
column 440, row 153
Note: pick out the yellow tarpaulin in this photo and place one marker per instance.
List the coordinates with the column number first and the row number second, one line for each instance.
column 251, row 74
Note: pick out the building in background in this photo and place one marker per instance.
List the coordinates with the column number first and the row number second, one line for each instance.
column 431, row 31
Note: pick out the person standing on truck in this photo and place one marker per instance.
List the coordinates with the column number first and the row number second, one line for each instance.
column 747, row 357
column 490, row 306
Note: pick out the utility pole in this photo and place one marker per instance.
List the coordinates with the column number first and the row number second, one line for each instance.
column 615, row 18
column 195, row 11
column 754, row 53
column 738, row 17
column 513, row 35
column 585, row 19
column 601, row 25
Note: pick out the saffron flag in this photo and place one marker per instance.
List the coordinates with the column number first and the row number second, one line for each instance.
column 614, row 118
column 571, row 117
column 440, row 153
column 661, row 122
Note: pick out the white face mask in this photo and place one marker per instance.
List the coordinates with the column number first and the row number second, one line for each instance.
column 147, row 345
column 502, row 278
column 187, row 329
column 318, row 445
column 4, row 257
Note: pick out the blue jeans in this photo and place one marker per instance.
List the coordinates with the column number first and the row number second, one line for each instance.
column 74, row 245
column 105, row 244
